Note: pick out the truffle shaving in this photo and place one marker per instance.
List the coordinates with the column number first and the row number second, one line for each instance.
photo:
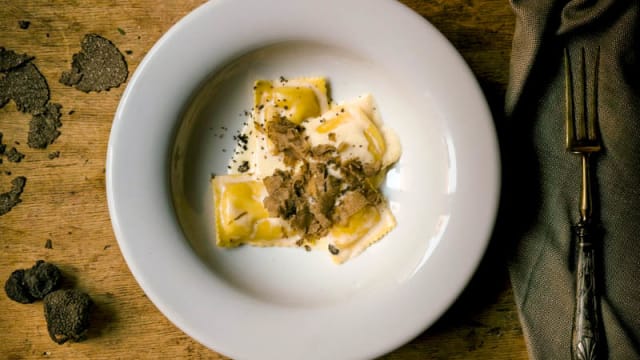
column 98, row 66
column 27, row 87
column 9, row 59
column 287, row 137
column 12, row 198
column 309, row 197
column 43, row 127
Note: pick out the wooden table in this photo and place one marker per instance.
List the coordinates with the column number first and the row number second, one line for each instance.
column 64, row 199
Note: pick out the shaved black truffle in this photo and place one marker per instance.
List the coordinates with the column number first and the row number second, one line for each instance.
column 42, row 279
column 67, row 314
column 12, row 197
column 27, row 87
column 3, row 147
column 9, row 59
column 16, row 289
column 14, row 155
column 98, row 66
column 43, row 127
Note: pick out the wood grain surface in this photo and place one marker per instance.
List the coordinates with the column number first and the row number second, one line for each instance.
column 64, row 199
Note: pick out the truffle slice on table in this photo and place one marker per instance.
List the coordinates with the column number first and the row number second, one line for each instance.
column 67, row 314
column 14, row 155
column 27, row 87
column 12, row 197
column 3, row 147
column 9, row 59
column 43, row 127
column 98, row 66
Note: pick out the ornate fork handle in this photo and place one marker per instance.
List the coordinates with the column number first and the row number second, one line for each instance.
column 586, row 337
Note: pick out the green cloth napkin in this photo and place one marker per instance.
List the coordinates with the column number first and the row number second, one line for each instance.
column 541, row 180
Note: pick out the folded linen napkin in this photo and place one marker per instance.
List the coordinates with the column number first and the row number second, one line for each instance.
column 542, row 182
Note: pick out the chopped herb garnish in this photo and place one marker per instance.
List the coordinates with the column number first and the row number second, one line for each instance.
column 240, row 216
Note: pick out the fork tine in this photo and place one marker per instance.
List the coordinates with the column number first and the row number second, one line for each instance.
column 568, row 86
column 593, row 103
column 582, row 115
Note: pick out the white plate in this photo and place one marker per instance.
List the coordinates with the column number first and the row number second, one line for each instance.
column 286, row 303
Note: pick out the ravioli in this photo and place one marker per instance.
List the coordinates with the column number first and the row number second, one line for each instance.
column 240, row 216
column 296, row 100
column 356, row 127
column 335, row 139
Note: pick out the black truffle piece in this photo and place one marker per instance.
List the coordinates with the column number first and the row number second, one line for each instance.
column 12, row 197
column 42, row 279
column 3, row 147
column 24, row 24
column 43, row 127
column 26, row 286
column 27, row 87
column 9, row 59
column 14, row 155
column 16, row 289
column 67, row 314
column 98, row 66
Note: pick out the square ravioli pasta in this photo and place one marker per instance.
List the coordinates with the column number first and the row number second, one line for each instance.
column 310, row 175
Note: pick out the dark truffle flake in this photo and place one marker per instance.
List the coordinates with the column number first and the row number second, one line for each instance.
column 9, row 59
column 43, row 128
column 244, row 167
column 98, row 66
column 12, row 198
column 14, row 155
column 24, row 24
column 333, row 249
column 2, row 147
column 27, row 87
column 67, row 314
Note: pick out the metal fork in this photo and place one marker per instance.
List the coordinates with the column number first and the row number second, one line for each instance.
column 583, row 138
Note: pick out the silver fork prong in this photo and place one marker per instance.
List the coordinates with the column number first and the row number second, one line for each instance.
column 593, row 102
column 582, row 115
column 569, row 115
column 581, row 123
